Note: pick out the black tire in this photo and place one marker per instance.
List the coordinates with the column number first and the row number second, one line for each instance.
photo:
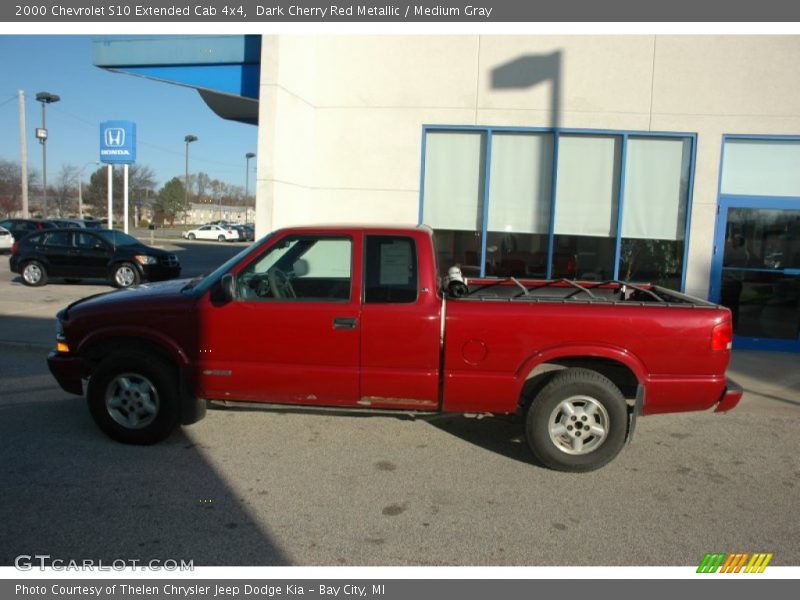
column 192, row 236
column 124, row 275
column 585, row 440
column 221, row 238
column 33, row 274
column 134, row 398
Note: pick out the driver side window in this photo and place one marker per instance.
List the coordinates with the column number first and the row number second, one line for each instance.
column 300, row 268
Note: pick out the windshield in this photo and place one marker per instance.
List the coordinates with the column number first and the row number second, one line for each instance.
column 201, row 286
column 117, row 238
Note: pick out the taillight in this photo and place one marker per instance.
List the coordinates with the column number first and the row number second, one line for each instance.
column 722, row 337
column 14, row 248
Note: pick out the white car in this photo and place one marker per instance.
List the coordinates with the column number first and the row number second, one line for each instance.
column 212, row 232
column 6, row 239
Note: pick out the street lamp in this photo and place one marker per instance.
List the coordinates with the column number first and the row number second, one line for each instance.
column 41, row 134
column 247, row 157
column 188, row 139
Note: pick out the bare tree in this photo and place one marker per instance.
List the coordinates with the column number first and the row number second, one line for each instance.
column 65, row 191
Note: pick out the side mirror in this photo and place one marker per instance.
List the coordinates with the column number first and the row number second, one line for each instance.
column 228, row 287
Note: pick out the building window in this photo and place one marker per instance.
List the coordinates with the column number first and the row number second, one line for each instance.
column 454, row 183
column 586, row 206
column 762, row 167
column 520, row 187
column 656, row 197
column 593, row 205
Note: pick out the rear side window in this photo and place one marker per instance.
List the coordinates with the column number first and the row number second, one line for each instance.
column 36, row 239
column 57, row 238
column 87, row 240
column 391, row 270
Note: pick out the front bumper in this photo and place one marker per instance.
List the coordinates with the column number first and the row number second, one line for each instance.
column 730, row 397
column 67, row 370
column 160, row 272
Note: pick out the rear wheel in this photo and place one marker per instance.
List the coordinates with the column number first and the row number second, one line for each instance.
column 577, row 422
column 125, row 275
column 134, row 398
column 34, row 274
column 221, row 238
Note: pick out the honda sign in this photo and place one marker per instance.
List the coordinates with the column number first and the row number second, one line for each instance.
column 118, row 142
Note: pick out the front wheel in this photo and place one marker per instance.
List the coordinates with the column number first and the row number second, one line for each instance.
column 577, row 422
column 221, row 238
column 134, row 398
column 34, row 274
column 192, row 236
column 125, row 275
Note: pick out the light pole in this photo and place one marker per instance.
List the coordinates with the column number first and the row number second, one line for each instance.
column 247, row 158
column 188, row 139
column 80, row 186
column 41, row 133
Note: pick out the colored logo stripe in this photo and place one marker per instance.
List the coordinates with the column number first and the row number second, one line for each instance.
column 735, row 562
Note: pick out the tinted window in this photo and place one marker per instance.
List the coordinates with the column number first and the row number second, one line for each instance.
column 57, row 238
column 117, row 238
column 36, row 239
column 391, row 270
column 87, row 240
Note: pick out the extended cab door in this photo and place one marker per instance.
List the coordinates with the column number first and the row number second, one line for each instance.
column 400, row 324
column 291, row 335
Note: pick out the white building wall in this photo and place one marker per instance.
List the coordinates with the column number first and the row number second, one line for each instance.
column 341, row 116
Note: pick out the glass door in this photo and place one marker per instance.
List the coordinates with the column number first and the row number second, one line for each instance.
column 757, row 272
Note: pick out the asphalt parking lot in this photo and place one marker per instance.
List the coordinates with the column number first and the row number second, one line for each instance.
column 309, row 487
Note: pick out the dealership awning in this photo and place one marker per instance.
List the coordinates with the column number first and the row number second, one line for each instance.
column 225, row 69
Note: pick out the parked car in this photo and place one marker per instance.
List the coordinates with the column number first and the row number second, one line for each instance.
column 212, row 232
column 6, row 239
column 76, row 254
column 246, row 234
column 64, row 223
column 19, row 228
column 359, row 317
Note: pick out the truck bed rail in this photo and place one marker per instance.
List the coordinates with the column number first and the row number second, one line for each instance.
column 612, row 291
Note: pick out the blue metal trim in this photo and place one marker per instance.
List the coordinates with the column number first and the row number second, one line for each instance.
column 687, row 226
column 510, row 129
column 749, row 200
column 766, row 138
column 717, row 252
column 765, row 344
column 551, row 237
column 422, row 176
column 485, row 218
column 623, row 161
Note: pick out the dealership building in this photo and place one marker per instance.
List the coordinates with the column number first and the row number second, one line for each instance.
column 672, row 159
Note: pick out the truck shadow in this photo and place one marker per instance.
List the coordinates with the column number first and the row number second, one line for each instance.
column 72, row 494
column 501, row 434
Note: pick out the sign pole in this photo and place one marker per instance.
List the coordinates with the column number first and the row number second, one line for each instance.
column 110, row 224
column 125, row 198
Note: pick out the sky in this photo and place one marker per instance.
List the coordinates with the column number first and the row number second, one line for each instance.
column 164, row 113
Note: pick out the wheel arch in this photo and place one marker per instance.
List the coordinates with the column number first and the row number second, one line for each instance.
column 623, row 369
column 103, row 343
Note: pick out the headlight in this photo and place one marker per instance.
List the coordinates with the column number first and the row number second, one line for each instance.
column 144, row 259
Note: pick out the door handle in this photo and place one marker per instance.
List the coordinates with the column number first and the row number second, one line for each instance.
column 344, row 322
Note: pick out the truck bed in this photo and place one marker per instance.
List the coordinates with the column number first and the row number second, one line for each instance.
column 563, row 290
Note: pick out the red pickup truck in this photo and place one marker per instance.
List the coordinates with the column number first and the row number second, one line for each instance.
column 359, row 317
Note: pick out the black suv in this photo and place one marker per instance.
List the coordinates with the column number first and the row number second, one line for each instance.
column 19, row 228
column 87, row 254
